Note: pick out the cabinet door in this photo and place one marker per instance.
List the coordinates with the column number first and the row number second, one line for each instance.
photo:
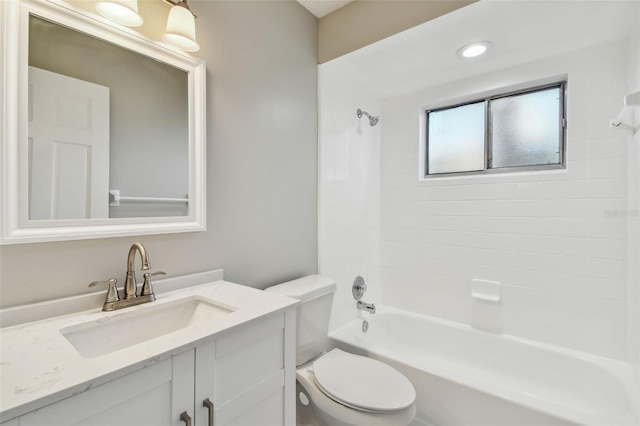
column 205, row 383
column 153, row 396
column 250, row 375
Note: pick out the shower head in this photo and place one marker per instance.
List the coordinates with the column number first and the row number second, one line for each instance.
column 372, row 120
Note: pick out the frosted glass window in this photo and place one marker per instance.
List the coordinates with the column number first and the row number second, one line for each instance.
column 456, row 139
column 525, row 129
column 502, row 132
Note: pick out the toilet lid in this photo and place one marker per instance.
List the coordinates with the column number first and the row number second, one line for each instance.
column 362, row 383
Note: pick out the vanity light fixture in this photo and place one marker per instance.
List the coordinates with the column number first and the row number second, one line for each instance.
column 474, row 49
column 181, row 27
column 123, row 12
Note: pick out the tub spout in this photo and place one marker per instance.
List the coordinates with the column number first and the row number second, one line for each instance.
column 369, row 307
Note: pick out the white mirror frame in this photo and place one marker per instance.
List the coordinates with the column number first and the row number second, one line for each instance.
column 15, row 226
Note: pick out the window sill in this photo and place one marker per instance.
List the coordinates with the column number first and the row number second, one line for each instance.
column 497, row 173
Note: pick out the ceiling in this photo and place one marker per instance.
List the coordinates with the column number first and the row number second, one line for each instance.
column 321, row 8
column 521, row 31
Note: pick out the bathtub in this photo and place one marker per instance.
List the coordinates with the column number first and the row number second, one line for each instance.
column 467, row 377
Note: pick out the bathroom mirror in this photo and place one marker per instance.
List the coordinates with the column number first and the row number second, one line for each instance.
column 103, row 130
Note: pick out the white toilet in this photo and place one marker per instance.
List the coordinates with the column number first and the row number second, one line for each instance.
column 338, row 388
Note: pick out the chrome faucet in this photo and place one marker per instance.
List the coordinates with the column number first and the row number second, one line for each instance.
column 369, row 307
column 131, row 298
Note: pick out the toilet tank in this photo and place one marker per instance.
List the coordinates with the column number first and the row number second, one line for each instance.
column 315, row 294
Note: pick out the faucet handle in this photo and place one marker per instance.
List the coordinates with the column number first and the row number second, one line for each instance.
column 112, row 291
column 147, row 289
column 358, row 288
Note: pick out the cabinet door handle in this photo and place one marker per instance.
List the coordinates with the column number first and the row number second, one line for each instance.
column 186, row 418
column 207, row 403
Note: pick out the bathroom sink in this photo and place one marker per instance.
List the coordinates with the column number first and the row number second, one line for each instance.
column 114, row 332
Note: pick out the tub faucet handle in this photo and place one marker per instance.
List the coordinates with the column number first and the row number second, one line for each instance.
column 358, row 288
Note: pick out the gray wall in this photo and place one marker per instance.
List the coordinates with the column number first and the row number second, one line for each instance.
column 261, row 166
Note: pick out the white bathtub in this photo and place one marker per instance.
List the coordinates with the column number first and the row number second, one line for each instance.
column 466, row 377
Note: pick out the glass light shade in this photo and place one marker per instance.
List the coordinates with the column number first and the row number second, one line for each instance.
column 123, row 12
column 181, row 29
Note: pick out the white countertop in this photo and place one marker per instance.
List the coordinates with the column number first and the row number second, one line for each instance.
column 38, row 365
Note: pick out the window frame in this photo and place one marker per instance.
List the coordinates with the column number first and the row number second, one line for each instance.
column 488, row 140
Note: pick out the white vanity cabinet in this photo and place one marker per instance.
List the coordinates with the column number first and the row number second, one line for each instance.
column 155, row 395
column 245, row 374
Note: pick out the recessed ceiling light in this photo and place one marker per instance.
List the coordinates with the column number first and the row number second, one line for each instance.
column 474, row 49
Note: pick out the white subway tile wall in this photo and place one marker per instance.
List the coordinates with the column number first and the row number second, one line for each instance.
column 559, row 242
column 349, row 192
column 633, row 209
column 565, row 245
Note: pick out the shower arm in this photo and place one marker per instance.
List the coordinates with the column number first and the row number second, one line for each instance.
column 372, row 120
column 361, row 113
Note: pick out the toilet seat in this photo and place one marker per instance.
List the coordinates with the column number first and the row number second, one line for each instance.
column 362, row 383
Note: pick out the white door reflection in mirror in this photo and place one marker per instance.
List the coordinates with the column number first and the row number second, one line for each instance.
column 68, row 147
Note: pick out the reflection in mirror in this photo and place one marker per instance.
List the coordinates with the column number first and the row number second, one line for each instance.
column 103, row 118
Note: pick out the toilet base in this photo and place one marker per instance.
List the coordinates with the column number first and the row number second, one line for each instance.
column 306, row 414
